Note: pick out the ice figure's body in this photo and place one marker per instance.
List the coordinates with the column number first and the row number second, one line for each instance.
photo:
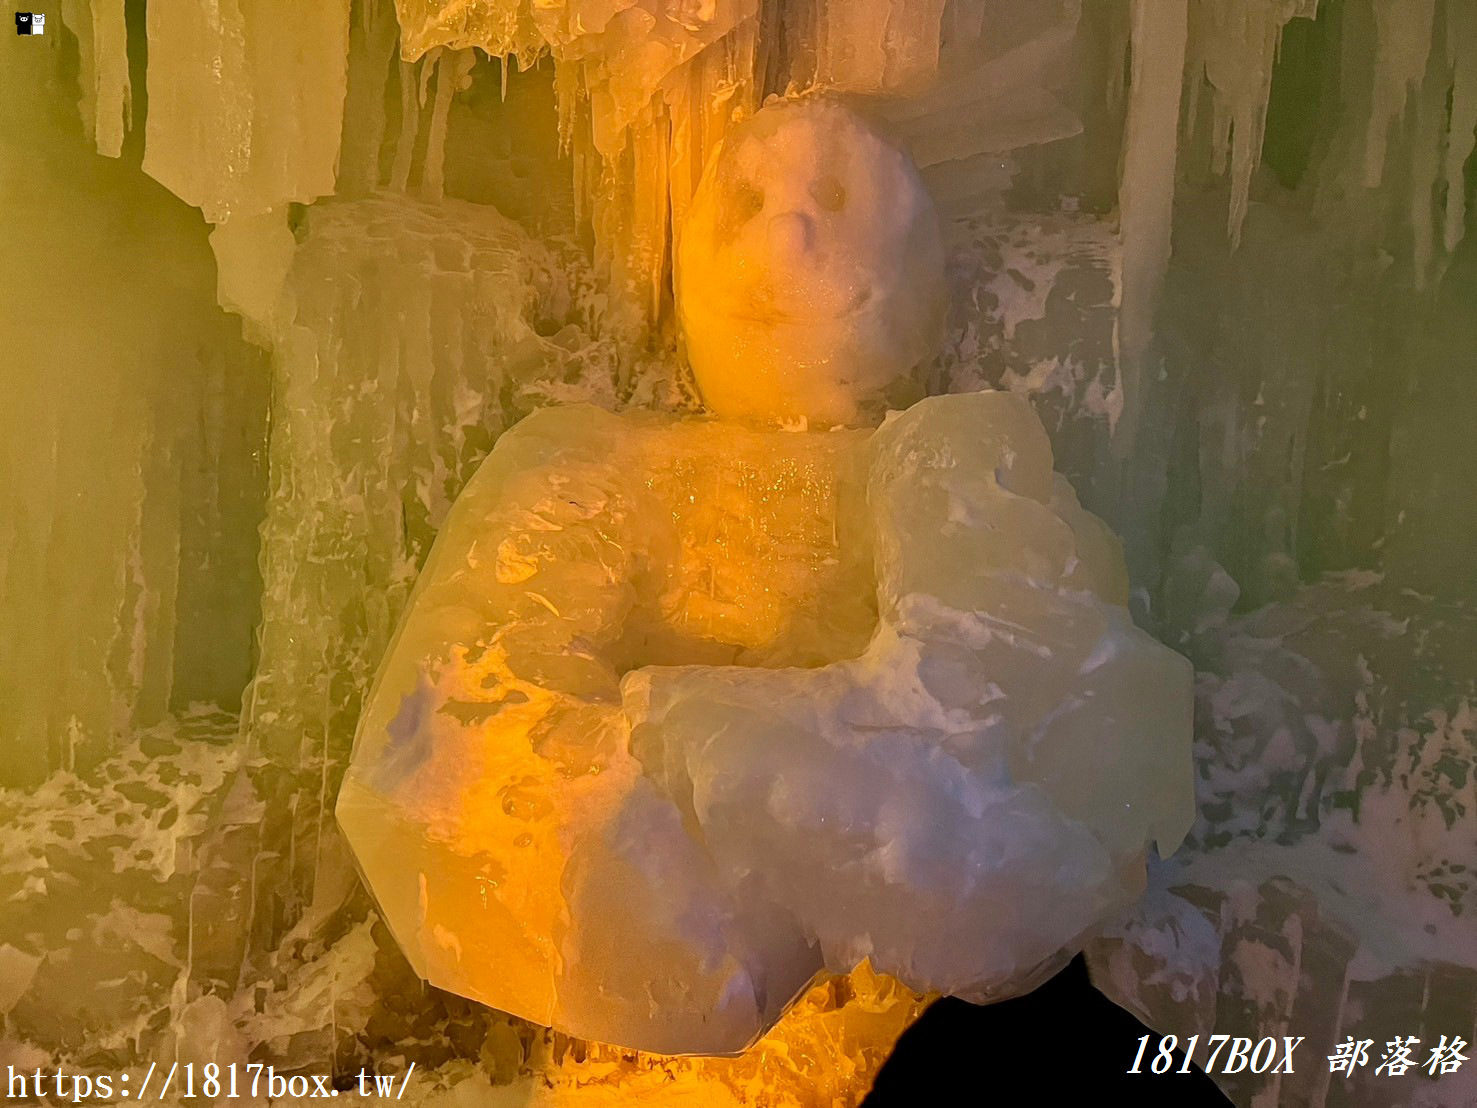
column 684, row 711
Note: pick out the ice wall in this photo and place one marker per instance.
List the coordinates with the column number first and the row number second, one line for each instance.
column 1307, row 434
column 1285, row 355
column 130, row 437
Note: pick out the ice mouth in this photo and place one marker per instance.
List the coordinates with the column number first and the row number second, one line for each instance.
column 773, row 313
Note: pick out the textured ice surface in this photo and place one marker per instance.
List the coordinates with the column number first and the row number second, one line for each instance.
column 1328, row 884
column 127, row 940
column 810, row 276
column 244, row 117
column 559, row 824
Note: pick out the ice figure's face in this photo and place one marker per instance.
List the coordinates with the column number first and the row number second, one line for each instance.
column 810, row 273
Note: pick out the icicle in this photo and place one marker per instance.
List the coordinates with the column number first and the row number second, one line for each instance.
column 500, row 27
column 1235, row 45
column 76, row 16
column 427, row 71
column 711, row 93
column 245, row 102
column 106, row 102
column 1146, row 188
column 410, row 122
column 1403, row 45
column 114, row 95
column 253, row 254
column 1461, row 45
column 631, row 221
column 616, row 69
column 372, row 44
column 1425, row 140
column 452, row 71
column 1117, row 48
column 567, row 94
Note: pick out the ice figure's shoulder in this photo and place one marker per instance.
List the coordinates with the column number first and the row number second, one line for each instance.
column 968, row 412
column 985, row 432
column 543, row 452
column 564, row 436
column 565, row 426
column 651, row 441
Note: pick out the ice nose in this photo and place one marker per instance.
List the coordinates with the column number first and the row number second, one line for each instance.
column 791, row 235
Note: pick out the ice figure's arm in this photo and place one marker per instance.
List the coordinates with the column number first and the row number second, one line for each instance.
column 998, row 758
column 533, row 866
column 523, row 598
column 985, row 565
column 984, row 554
column 968, row 509
column 980, row 547
column 508, row 835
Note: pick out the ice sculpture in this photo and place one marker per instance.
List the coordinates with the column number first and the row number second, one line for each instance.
column 684, row 711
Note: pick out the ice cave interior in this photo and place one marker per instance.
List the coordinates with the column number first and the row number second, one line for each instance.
column 1096, row 555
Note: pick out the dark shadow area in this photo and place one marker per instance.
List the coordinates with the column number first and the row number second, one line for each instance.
column 1066, row 1043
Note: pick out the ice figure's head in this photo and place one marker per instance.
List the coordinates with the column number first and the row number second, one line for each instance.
column 810, row 273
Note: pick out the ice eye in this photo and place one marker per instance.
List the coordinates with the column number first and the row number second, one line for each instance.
column 829, row 194
column 748, row 202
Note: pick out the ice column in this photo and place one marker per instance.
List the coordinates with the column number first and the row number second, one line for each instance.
column 413, row 341
column 1461, row 27
column 246, row 104
column 1146, row 191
